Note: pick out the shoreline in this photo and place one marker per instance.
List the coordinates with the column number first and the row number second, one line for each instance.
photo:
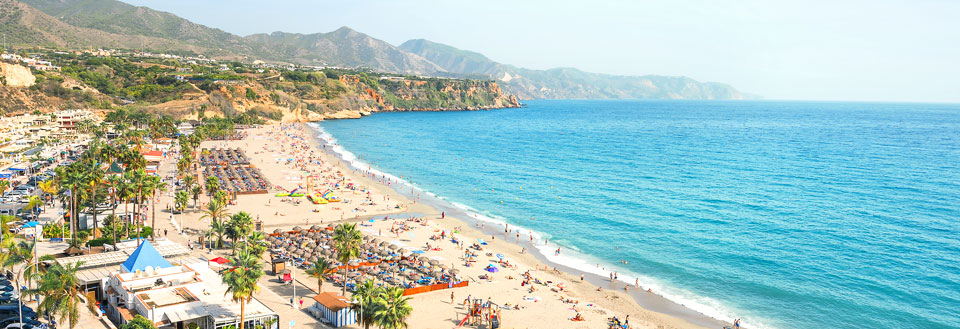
column 432, row 208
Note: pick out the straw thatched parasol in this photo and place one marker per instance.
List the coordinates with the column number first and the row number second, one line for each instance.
column 434, row 262
column 277, row 231
column 297, row 228
column 291, row 248
column 454, row 271
column 393, row 247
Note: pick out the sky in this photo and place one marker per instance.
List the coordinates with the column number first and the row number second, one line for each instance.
column 854, row 50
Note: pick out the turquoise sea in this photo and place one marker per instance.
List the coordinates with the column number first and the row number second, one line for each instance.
column 785, row 214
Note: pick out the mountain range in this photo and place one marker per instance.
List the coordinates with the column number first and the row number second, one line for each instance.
column 74, row 24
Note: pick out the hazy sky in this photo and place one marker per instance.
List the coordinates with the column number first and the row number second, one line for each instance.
column 811, row 49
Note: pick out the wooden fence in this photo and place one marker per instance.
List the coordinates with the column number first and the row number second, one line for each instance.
column 439, row 286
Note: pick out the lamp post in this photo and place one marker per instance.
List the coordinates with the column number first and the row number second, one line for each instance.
column 19, row 295
column 293, row 270
column 359, row 301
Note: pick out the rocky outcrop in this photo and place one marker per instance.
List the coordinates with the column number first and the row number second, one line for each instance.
column 343, row 114
column 16, row 75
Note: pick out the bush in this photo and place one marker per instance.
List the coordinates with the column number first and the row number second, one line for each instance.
column 99, row 242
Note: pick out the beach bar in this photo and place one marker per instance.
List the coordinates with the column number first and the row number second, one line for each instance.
column 335, row 309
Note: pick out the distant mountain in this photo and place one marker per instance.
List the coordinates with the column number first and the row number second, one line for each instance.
column 114, row 24
column 25, row 25
column 567, row 82
column 343, row 47
column 123, row 19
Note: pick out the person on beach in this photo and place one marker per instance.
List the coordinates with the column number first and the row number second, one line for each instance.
column 581, row 277
column 451, row 298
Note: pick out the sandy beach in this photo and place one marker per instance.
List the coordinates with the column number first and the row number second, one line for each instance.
column 287, row 155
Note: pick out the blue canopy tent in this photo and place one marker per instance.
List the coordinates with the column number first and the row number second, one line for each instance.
column 32, row 223
column 145, row 255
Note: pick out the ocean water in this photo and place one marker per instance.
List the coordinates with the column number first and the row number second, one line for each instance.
column 785, row 214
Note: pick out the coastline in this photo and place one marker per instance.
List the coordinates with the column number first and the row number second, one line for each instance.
column 659, row 311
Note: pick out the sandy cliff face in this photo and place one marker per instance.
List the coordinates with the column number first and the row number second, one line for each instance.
column 17, row 75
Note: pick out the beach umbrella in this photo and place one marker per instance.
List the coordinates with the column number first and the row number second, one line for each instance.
column 424, row 259
column 291, row 248
column 277, row 231
column 454, row 271
column 384, row 265
column 315, row 227
column 297, row 228
column 493, row 269
column 500, row 256
column 393, row 247
column 312, row 259
column 434, row 262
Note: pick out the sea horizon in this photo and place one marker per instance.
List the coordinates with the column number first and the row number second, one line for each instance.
column 382, row 142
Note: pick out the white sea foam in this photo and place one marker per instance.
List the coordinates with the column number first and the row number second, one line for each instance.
column 569, row 256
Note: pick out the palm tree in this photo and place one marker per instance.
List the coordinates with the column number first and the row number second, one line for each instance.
column 74, row 179
column 257, row 243
column 240, row 226
column 242, row 280
column 4, row 185
column 21, row 253
column 115, row 181
column 347, row 239
column 390, row 309
column 49, row 187
column 59, row 288
column 125, row 193
column 213, row 185
column 140, row 183
column 196, row 190
column 216, row 212
column 155, row 184
column 366, row 294
column 95, row 179
column 321, row 269
column 180, row 200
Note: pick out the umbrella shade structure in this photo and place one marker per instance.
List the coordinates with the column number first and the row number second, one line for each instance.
column 500, row 256
column 277, row 231
column 454, row 271
column 383, row 243
column 312, row 258
column 291, row 248
column 493, row 269
column 285, row 271
column 424, row 259
column 434, row 262
column 384, row 265
column 297, row 228
column 220, row 260
column 315, row 227
column 393, row 247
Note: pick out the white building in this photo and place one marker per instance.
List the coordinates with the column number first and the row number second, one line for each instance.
column 175, row 296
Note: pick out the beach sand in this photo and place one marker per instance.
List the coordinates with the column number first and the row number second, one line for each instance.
column 269, row 148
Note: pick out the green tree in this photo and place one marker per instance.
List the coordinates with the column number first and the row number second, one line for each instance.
column 347, row 239
column 58, row 286
column 196, row 190
column 155, row 184
column 240, row 226
column 181, row 199
column 138, row 322
column 321, row 270
column 366, row 294
column 391, row 309
column 242, row 280
column 216, row 212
